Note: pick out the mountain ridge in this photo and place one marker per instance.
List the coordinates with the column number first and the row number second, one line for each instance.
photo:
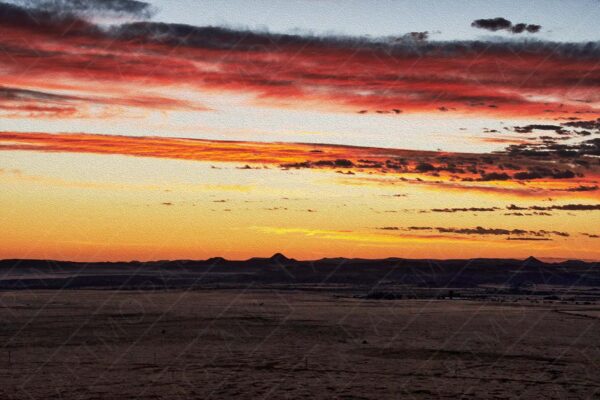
column 279, row 270
column 281, row 258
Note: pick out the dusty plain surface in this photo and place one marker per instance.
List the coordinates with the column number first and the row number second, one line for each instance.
column 269, row 343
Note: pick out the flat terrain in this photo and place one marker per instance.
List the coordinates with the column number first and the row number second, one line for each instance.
column 268, row 343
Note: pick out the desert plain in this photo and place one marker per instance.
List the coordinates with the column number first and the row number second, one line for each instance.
column 258, row 342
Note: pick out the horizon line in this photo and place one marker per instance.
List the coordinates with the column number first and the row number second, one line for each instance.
column 546, row 260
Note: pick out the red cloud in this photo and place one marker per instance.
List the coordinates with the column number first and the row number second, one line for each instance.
column 504, row 79
column 451, row 171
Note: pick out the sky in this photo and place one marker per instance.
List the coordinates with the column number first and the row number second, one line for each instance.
column 570, row 21
column 134, row 130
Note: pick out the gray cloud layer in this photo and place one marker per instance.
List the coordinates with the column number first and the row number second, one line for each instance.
column 130, row 8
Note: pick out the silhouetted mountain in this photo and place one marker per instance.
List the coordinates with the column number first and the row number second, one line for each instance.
column 531, row 260
column 276, row 258
column 279, row 258
column 280, row 270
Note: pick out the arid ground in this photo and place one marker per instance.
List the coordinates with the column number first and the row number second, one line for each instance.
column 271, row 343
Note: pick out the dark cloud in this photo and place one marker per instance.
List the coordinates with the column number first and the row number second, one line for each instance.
column 533, row 28
column 16, row 94
column 530, row 128
column 415, row 36
column 565, row 143
column 542, row 172
column 494, row 176
column 491, row 231
column 593, row 124
column 424, row 167
column 33, row 103
column 45, row 21
column 498, row 24
column 518, row 28
column 528, row 238
column 46, row 13
column 470, row 209
column 575, row 207
column 129, row 8
column 517, row 208
column 339, row 163
column 521, row 27
column 564, row 207
column 528, row 214
column 482, row 231
column 498, row 231
column 582, row 188
column 589, row 147
column 245, row 40
column 492, row 24
column 591, row 235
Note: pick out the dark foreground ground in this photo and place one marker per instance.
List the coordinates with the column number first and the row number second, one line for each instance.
column 274, row 343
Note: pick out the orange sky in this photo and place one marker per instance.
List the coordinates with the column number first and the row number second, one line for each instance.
column 155, row 141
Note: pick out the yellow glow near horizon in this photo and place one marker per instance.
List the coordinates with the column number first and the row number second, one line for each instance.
column 164, row 209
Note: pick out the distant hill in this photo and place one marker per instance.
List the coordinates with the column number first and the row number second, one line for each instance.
column 281, row 270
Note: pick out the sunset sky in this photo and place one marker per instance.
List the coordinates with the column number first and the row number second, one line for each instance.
column 184, row 129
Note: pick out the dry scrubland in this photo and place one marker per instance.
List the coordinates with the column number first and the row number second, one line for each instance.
column 102, row 344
